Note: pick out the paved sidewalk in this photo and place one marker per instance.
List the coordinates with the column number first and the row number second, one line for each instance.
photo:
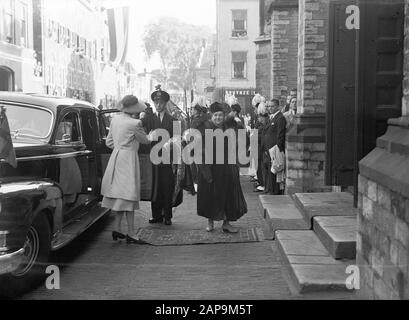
column 93, row 267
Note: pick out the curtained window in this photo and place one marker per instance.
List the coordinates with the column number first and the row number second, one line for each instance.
column 239, row 64
column 239, row 23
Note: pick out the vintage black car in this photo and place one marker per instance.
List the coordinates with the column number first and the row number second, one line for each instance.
column 54, row 193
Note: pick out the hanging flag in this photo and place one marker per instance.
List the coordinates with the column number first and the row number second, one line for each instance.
column 118, row 23
column 6, row 145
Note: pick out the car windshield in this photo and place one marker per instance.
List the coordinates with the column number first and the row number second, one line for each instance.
column 29, row 121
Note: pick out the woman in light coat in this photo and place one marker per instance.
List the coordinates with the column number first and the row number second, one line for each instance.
column 121, row 182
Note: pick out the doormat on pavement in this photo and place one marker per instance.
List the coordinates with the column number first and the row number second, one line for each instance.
column 160, row 237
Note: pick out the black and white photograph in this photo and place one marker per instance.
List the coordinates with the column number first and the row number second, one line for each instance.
column 203, row 156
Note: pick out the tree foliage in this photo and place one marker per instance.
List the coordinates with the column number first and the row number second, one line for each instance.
column 179, row 46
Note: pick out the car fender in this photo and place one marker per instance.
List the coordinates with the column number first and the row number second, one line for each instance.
column 21, row 202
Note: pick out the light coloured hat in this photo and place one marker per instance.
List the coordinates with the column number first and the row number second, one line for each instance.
column 262, row 108
column 131, row 104
column 258, row 98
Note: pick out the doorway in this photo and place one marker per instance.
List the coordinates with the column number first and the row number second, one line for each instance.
column 6, row 79
column 365, row 84
column 341, row 98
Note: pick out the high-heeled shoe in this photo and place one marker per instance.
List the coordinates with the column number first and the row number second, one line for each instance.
column 117, row 235
column 130, row 240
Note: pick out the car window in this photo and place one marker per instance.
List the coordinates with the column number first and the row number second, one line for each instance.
column 29, row 121
column 68, row 129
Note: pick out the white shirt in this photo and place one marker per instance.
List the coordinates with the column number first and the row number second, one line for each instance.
column 273, row 115
column 160, row 115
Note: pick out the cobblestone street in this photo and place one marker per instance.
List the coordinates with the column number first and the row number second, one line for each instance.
column 93, row 267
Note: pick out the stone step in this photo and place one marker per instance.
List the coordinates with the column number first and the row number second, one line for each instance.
column 325, row 204
column 338, row 235
column 309, row 264
column 281, row 213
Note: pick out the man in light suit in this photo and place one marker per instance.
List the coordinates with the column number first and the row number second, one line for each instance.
column 274, row 134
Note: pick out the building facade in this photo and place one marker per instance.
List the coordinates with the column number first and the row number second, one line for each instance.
column 237, row 29
column 383, row 220
column 351, row 127
column 18, row 64
column 77, row 55
column 67, row 48
column 277, row 48
column 263, row 50
column 205, row 72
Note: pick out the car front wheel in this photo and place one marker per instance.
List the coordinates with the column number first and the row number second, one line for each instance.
column 31, row 271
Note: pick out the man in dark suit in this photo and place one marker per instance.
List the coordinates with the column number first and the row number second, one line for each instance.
column 163, row 179
column 274, row 134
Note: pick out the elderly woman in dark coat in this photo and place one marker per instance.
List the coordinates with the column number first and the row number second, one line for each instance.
column 220, row 197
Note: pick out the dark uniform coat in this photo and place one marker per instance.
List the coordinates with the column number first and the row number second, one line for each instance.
column 163, row 177
column 274, row 134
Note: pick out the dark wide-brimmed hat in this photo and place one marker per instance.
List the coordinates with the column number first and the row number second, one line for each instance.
column 216, row 107
column 236, row 108
column 131, row 104
column 226, row 108
column 160, row 95
column 200, row 108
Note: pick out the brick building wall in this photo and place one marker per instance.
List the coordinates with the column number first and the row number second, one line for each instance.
column 305, row 150
column 383, row 220
column 405, row 101
column 313, row 56
column 284, row 39
column 263, row 66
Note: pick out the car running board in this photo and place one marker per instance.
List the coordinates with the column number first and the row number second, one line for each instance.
column 77, row 226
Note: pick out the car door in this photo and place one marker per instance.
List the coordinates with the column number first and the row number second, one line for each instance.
column 89, row 130
column 74, row 164
column 104, row 153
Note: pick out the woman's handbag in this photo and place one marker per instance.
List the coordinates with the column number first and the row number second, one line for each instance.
column 188, row 181
column 146, row 173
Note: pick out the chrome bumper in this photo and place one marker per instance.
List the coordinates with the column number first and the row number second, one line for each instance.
column 10, row 262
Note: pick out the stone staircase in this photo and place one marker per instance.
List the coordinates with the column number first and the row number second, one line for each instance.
column 316, row 237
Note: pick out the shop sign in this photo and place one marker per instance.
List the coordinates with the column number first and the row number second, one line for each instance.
column 240, row 92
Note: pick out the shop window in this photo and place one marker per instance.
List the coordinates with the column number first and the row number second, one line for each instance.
column 55, row 31
column 95, row 50
column 73, row 40
column 82, row 45
column 239, row 23
column 77, row 42
column 68, row 41
column 9, row 22
column 239, row 64
column 89, row 49
column 23, row 25
column 59, row 34
column 50, row 29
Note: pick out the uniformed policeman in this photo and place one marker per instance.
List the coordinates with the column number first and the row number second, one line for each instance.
column 163, row 179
